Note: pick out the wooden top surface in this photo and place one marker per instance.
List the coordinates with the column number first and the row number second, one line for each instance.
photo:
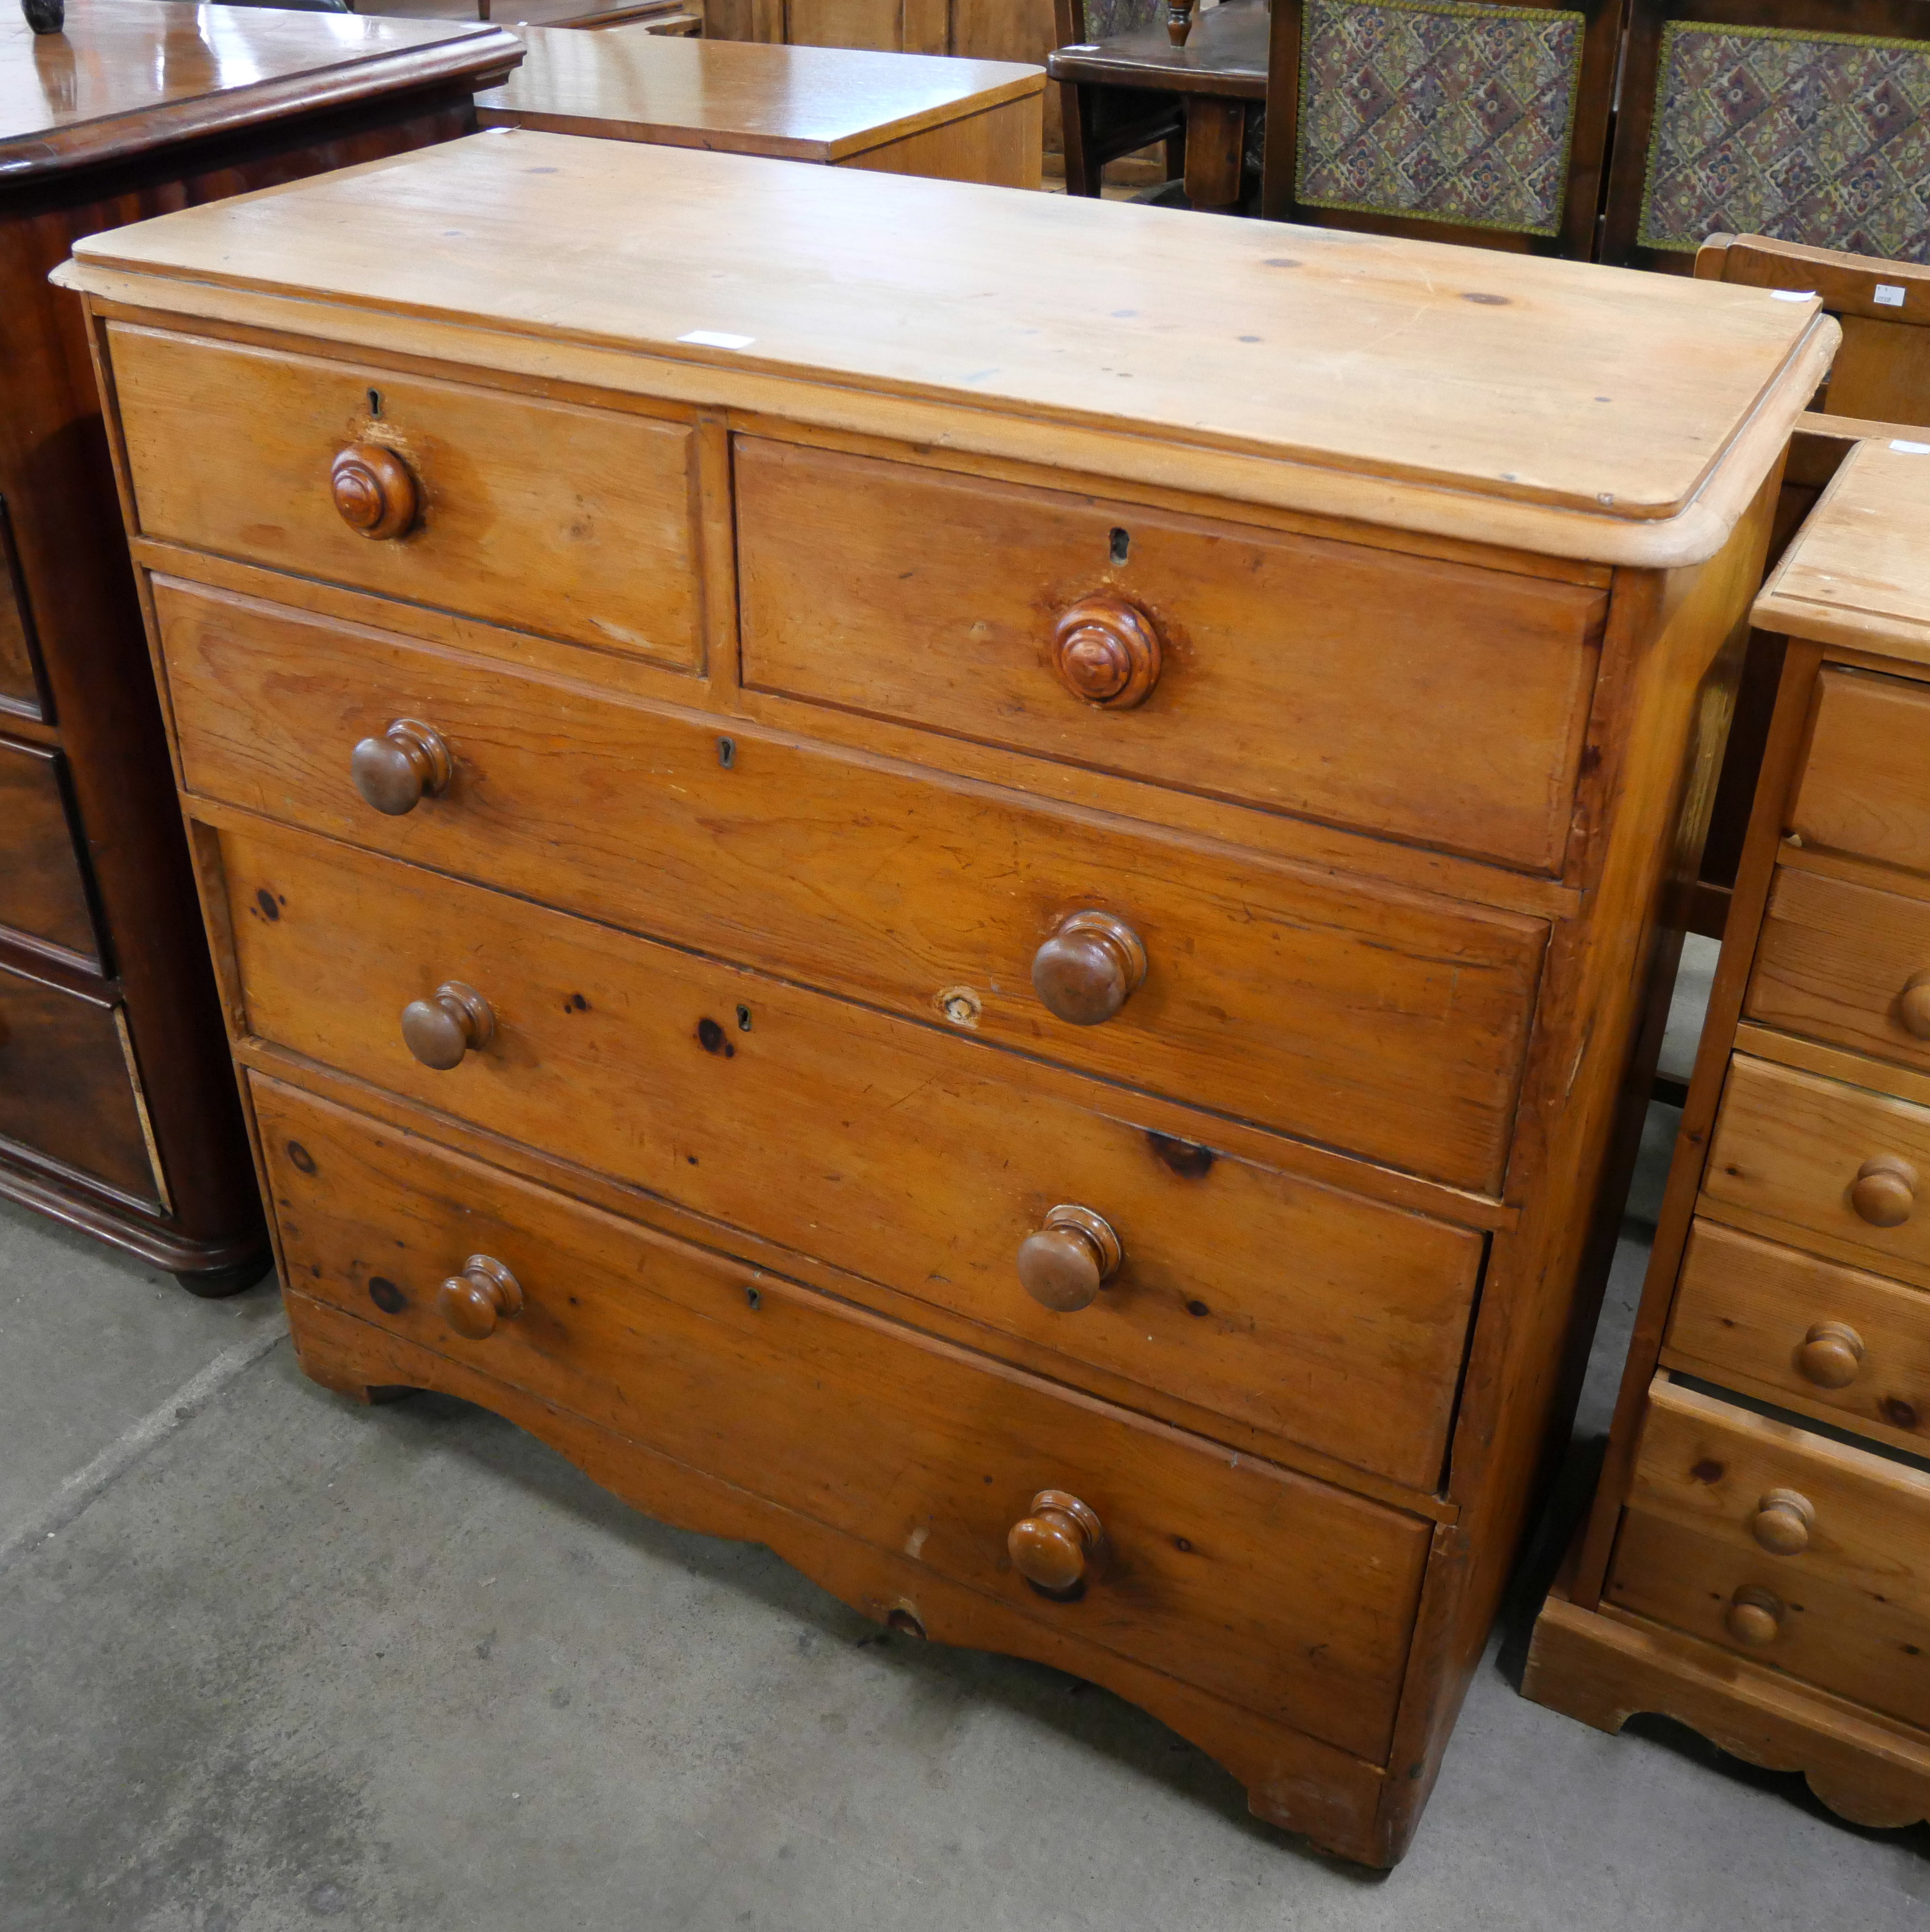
column 127, row 75
column 1226, row 54
column 1858, row 572
column 804, row 103
column 1387, row 370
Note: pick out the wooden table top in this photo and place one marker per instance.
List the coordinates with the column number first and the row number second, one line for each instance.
column 127, row 75
column 516, row 14
column 1428, row 386
column 802, row 103
column 1226, row 54
column 1858, row 573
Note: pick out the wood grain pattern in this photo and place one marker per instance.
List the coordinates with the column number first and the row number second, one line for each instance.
column 871, row 1429
column 1392, row 1023
column 916, row 1159
column 603, row 501
column 1746, row 1307
column 1866, row 788
column 1491, row 674
column 20, row 680
column 42, row 888
column 1000, row 147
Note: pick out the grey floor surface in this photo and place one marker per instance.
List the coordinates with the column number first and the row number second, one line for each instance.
column 269, row 1661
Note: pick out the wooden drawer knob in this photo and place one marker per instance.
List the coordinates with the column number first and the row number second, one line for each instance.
column 484, row 1294
column 1884, row 1191
column 440, row 1030
column 1913, row 1006
column 1106, row 652
column 1782, row 1523
column 374, row 490
column 1754, row 1616
column 1062, row 1265
column 1057, row 1547
column 1832, row 1355
column 1089, row 968
column 408, row 762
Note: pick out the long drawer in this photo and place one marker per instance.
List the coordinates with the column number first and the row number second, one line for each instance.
column 1438, row 702
column 43, row 889
column 1290, row 1597
column 915, row 1159
column 1807, row 1328
column 1386, row 1022
column 576, row 523
column 1772, row 1540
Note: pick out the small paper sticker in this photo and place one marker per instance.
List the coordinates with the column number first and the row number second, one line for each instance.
column 1792, row 295
column 1889, row 296
column 1911, row 448
column 714, row 338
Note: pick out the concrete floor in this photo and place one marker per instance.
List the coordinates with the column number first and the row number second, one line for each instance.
column 271, row 1661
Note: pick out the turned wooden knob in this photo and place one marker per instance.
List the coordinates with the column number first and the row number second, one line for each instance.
column 1782, row 1523
column 484, row 1294
column 1913, row 1005
column 1059, row 1546
column 374, row 489
column 1832, row 1355
column 1106, row 652
column 1884, row 1191
column 408, row 762
column 1754, row 1616
column 440, row 1030
column 1062, row 1265
column 1089, row 968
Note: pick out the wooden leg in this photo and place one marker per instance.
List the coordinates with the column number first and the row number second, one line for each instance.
column 1215, row 131
column 1082, row 171
column 1176, row 154
column 1179, row 20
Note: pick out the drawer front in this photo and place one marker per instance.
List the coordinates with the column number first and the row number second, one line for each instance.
column 1866, row 786
column 1835, row 962
column 1434, row 701
column 1287, row 1596
column 43, row 890
column 1839, row 1538
column 19, row 686
column 1830, row 1334
column 1819, row 1154
column 67, row 1089
column 576, row 523
column 916, row 1159
column 1388, row 1023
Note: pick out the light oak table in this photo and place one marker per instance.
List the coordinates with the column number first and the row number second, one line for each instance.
column 973, row 883
column 906, row 114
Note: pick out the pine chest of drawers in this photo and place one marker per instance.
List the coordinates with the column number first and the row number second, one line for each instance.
column 962, row 881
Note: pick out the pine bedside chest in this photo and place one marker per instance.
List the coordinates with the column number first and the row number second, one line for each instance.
column 963, row 881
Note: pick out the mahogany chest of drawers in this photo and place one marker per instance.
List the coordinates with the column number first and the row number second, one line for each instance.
column 1757, row 1562
column 960, row 881
column 117, row 1112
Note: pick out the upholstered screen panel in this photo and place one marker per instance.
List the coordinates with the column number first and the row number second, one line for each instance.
column 1808, row 137
column 1104, row 18
column 1444, row 111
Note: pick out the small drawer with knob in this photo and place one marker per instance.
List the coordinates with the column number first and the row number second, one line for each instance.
column 1291, row 1596
column 1775, row 1541
column 1034, row 1204
column 1432, row 700
column 545, row 516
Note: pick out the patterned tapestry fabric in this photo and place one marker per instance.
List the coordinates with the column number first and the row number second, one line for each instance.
column 1106, row 18
column 1763, row 131
column 1442, row 112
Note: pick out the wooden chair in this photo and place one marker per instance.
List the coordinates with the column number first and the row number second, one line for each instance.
column 1102, row 124
column 1444, row 120
column 1784, row 126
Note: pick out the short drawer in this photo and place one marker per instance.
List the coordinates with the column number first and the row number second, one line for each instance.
column 918, row 1160
column 43, row 888
column 1388, row 1023
column 1437, row 702
column 1783, row 1545
column 576, row 523
column 1845, row 1161
column 1843, row 963
column 68, row 1090
column 1790, row 1322
column 1865, row 786
column 1291, row 1597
